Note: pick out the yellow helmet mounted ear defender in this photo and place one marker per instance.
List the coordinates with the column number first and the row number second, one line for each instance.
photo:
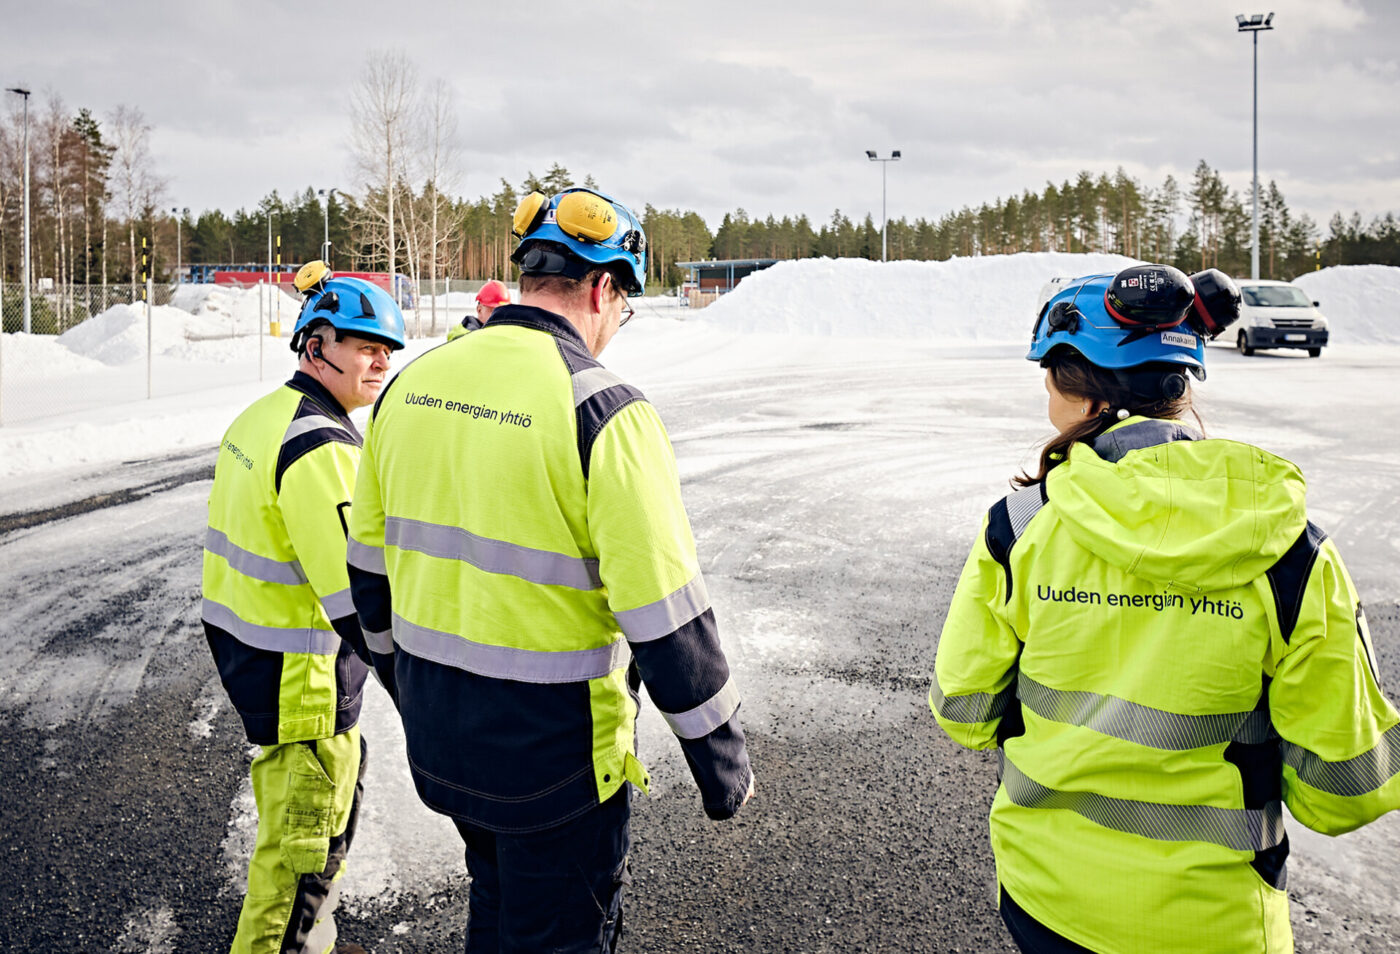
column 586, row 215
column 581, row 214
column 528, row 214
column 311, row 276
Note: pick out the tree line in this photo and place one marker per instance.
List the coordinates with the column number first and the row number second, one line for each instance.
column 98, row 203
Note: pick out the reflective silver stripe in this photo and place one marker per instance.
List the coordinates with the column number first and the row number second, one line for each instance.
column 1129, row 721
column 590, row 381
column 322, row 642
column 313, row 422
column 1021, row 506
column 250, row 564
column 1242, row 829
column 493, row 556
column 667, row 614
column 1256, row 728
column 362, row 556
column 707, row 716
column 506, row 662
column 1355, row 776
column 381, row 642
column 971, row 708
column 338, row 604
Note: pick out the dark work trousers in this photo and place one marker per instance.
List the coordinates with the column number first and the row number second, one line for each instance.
column 557, row 890
column 1030, row 935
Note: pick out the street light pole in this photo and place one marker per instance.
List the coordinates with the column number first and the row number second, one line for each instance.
column 179, row 216
column 884, row 217
column 326, row 235
column 25, row 277
column 1255, row 24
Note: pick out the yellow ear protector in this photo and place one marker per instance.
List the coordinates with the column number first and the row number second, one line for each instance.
column 582, row 214
column 528, row 214
column 586, row 215
column 311, row 275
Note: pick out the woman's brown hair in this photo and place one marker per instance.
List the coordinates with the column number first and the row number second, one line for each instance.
column 1073, row 376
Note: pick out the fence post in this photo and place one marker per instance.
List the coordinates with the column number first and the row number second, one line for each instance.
column 150, row 288
column 262, row 330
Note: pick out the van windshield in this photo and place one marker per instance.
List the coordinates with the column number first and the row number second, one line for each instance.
column 1275, row 296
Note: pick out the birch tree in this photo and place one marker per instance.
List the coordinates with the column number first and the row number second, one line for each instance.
column 383, row 102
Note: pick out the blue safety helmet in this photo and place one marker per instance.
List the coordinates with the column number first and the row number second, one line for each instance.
column 1089, row 315
column 577, row 230
column 352, row 306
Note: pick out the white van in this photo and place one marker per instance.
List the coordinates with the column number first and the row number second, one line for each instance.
column 1279, row 315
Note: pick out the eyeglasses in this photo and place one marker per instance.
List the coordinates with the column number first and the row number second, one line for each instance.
column 627, row 310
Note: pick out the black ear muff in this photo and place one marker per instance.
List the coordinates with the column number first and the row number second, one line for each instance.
column 1172, row 386
column 1217, row 303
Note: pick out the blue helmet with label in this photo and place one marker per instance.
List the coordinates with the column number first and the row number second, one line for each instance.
column 577, row 230
column 352, row 306
column 1117, row 322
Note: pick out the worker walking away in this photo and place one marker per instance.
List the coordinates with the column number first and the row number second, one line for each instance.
column 517, row 533
column 277, row 609
column 492, row 295
column 1162, row 647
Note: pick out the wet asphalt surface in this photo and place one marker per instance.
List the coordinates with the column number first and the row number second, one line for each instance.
column 831, row 526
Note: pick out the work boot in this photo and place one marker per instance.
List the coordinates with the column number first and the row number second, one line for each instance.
column 349, row 947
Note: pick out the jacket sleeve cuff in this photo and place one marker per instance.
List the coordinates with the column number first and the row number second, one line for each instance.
column 720, row 764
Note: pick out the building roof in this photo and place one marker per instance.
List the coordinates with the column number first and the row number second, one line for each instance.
column 727, row 262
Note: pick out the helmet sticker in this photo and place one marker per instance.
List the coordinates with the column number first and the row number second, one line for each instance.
column 1179, row 339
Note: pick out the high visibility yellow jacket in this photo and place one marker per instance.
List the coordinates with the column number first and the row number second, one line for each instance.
column 517, row 529
column 1164, row 648
column 465, row 326
column 276, row 595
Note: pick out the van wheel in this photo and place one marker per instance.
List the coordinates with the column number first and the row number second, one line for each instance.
column 1242, row 342
column 1314, row 352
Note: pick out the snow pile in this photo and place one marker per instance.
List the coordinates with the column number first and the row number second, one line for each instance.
column 1361, row 302
column 989, row 298
column 42, row 354
column 119, row 334
column 228, row 310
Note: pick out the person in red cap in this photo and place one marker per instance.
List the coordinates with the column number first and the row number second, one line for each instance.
column 492, row 295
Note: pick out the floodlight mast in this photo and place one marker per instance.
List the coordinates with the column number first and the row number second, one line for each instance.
column 884, row 219
column 1255, row 24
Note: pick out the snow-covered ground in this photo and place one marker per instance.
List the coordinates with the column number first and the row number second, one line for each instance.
column 80, row 398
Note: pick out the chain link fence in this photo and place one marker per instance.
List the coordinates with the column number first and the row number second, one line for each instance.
column 91, row 346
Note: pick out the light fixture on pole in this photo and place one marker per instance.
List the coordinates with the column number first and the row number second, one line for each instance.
column 179, row 217
column 326, row 235
column 884, row 219
column 1255, row 24
column 25, row 277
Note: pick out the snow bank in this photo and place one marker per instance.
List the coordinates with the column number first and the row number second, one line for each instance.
column 1361, row 302
column 119, row 334
column 989, row 298
column 31, row 354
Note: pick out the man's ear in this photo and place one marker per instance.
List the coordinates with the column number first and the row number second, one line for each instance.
column 596, row 293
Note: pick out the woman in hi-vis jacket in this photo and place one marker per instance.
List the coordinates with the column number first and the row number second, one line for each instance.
column 1161, row 646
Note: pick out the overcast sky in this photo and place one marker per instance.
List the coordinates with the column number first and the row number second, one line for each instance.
column 756, row 104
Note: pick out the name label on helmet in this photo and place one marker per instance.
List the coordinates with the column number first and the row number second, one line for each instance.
column 1179, row 339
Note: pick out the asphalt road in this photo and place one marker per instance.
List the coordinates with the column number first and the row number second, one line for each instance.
column 833, row 501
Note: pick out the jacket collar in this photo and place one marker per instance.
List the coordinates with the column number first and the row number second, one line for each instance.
column 306, row 384
column 1138, row 432
column 528, row 316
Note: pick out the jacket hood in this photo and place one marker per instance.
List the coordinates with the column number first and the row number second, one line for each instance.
column 1200, row 514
